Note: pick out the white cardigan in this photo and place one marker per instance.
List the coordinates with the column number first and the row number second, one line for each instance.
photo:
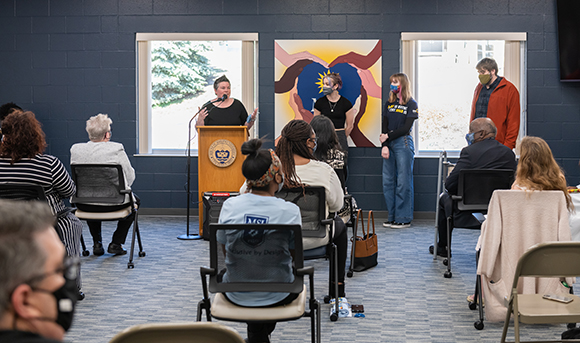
column 516, row 221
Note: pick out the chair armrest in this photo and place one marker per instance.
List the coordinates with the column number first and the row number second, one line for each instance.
column 456, row 197
column 327, row 221
column 305, row 271
column 204, row 271
column 310, row 271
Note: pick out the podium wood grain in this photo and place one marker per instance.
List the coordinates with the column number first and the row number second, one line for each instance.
column 212, row 178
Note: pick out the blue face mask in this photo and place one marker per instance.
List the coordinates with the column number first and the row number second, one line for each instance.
column 470, row 137
column 395, row 89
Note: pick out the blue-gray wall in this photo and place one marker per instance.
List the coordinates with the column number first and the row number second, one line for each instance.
column 69, row 59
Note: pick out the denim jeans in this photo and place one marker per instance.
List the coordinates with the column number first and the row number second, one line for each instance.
column 398, row 179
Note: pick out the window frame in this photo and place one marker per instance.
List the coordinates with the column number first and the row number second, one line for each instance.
column 143, row 47
column 514, row 69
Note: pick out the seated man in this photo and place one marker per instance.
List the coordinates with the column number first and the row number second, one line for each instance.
column 101, row 150
column 482, row 152
column 37, row 295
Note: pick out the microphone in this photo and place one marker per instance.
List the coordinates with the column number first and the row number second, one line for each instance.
column 224, row 97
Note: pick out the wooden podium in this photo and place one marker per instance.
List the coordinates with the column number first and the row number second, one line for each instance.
column 219, row 161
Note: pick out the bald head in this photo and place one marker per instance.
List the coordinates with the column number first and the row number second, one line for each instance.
column 483, row 128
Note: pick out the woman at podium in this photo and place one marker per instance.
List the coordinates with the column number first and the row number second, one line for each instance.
column 224, row 110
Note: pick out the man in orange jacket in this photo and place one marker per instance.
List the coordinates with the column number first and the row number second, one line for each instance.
column 499, row 100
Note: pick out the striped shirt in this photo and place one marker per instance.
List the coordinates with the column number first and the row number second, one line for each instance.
column 44, row 170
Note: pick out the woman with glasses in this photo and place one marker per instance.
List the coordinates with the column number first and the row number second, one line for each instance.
column 295, row 149
column 398, row 152
column 22, row 161
column 100, row 149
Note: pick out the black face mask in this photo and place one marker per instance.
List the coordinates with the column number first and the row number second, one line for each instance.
column 66, row 299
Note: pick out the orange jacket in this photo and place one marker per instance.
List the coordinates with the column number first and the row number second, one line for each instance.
column 504, row 110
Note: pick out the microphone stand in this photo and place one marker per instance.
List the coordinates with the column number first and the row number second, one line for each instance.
column 187, row 235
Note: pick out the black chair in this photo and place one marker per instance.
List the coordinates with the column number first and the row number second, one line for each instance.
column 316, row 226
column 27, row 192
column 105, row 184
column 475, row 188
column 221, row 308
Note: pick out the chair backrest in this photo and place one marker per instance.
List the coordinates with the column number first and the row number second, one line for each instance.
column 550, row 259
column 248, row 245
column 477, row 185
column 18, row 191
column 98, row 184
column 312, row 204
column 203, row 332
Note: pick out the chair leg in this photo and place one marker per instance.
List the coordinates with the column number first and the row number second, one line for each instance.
column 131, row 265
column 333, row 280
column 448, row 273
column 479, row 294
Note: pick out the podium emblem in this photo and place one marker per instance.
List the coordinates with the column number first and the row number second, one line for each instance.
column 222, row 153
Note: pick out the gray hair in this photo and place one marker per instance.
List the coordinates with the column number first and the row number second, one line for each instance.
column 21, row 255
column 98, row 126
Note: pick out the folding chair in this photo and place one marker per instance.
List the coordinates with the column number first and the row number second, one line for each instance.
column 27, row 192
column 104, row 184
column 221, row 308
column 178, row 333
column 315, row 225
column 550, row 259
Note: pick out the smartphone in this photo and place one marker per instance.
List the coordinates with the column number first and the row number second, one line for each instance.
column 559, row 298
column 357, row 308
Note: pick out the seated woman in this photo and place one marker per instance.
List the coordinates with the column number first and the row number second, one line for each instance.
column 22, row 161
column 264, row 176
column 537, row 170
column 520, row 218
column 100, row 149
column 328, row 147
column 295, row 149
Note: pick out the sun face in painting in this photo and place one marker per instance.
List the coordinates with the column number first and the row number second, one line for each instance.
column 320, row 82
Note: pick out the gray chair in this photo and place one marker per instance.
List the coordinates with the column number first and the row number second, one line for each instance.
column 551, row 259
column 178, row 333
column 315, row 224
column 105, row 184
column 221, row 308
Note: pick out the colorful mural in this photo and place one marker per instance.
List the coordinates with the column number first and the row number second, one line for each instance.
column 300, row 66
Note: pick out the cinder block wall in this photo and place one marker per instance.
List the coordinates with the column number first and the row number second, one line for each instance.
column 69, row 59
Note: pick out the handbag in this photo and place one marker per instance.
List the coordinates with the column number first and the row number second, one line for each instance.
column 365, row 247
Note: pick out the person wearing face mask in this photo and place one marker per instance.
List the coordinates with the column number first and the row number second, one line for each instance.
column 224, row 110
column 295, row 148
column 398, row 152
column 264, row 177
column 38, row 291
column 499, row 100
column 336, row 107
column 483, row 151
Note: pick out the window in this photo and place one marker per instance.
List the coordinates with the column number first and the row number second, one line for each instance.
column 175, row 77
column 441, row 67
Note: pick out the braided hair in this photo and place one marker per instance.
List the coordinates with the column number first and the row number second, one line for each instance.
column 257, row 161
column 293, row 142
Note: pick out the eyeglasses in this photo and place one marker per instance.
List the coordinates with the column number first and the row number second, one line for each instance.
column 69, row 270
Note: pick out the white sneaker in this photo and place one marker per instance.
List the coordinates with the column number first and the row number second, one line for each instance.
column 400, row 225
column 388, row 224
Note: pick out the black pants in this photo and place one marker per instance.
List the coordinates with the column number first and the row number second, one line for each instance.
column 458, row 218
column 259, row 332
column 123, row 225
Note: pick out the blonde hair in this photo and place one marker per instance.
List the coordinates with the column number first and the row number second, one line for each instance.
column 537, row 169
column 98, row 126
column 405, row 88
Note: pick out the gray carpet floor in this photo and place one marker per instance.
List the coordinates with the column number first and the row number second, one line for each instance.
column 406, row 298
